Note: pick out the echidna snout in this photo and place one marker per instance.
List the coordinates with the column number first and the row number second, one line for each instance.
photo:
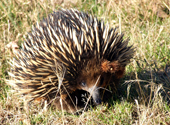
column 93, row 90
column 96, row 95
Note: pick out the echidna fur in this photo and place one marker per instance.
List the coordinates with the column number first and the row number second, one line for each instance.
column 66, row 49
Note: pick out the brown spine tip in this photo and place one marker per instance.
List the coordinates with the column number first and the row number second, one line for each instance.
column 63, row 96
column 108, row 66
column 38, row 100
column 114, row 66
column 105, row 66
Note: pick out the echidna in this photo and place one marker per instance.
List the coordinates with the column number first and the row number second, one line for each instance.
column 69, row 51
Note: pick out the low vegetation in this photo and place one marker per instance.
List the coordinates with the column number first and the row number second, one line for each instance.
column 144, row 94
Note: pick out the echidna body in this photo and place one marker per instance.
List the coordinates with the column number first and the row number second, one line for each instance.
column 69, row 51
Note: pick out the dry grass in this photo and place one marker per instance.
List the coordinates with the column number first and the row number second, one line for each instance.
column 145, row 89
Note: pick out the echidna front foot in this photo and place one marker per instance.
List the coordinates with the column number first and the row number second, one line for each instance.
column 71, row 103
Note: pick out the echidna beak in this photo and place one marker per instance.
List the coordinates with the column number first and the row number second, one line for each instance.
column 98, row 101
column 96, row 96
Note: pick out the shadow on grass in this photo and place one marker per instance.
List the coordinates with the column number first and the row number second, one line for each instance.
column 145, row 85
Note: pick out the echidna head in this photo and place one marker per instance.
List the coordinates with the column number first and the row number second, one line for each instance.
column 96, row 74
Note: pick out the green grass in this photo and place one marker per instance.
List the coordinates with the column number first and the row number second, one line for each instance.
column 145, row 90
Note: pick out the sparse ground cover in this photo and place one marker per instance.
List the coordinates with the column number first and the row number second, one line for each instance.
column 144, row 94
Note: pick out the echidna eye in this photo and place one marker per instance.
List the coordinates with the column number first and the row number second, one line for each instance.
column 83, row 84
